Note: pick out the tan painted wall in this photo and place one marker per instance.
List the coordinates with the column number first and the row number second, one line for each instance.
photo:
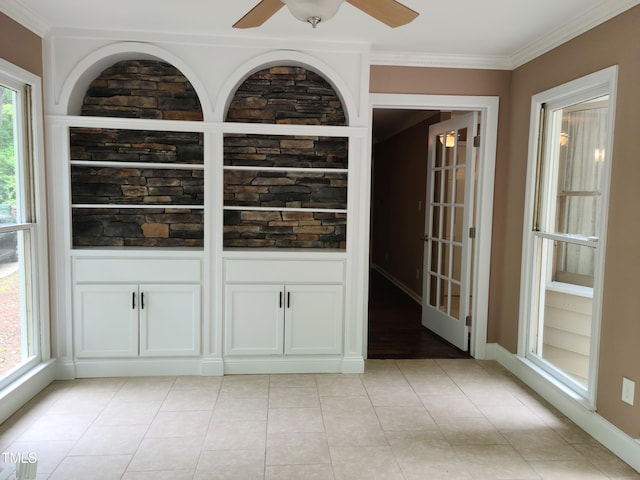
column 614, row 42
column 442, row 81
column 20, row 46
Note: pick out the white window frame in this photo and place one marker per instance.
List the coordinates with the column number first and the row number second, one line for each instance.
column 594, row 85
column 36, row 262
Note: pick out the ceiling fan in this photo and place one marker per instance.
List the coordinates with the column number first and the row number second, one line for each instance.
column 389, row 12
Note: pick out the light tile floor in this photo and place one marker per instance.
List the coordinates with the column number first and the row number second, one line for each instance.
column 402, row 419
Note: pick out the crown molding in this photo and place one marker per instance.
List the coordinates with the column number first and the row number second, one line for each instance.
column 24, row 17
column 577, row 26
column 418, row 59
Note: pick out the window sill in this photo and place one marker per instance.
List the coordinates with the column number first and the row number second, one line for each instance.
column 555, row 383
column 570, row 289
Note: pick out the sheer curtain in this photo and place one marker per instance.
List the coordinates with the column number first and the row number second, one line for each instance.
column 579, row 184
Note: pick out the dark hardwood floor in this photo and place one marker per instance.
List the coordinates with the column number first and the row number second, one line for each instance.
column 395, row 326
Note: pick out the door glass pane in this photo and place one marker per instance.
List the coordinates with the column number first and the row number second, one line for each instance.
column 454, row 310
column 437, row 180
column 445, row 265
column 447, row 222
column 434, row 256
column 444, row 296
column 460, row 174
column 449, row 150
column 449, row 185
column 435, row 229
column 456, row 266
column 462, row 147
column 433, row 291
column 457, row 230
column 439, row 149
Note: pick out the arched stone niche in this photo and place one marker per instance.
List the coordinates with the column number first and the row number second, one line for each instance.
column 286, row 95
column 150, row 89
column 109, row 176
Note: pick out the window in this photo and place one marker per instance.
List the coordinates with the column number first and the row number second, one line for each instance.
column 22, row 236
column 568, row 180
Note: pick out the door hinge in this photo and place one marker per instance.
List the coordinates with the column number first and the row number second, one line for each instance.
column 472, row 232
column 468, row 320
column 476, row 141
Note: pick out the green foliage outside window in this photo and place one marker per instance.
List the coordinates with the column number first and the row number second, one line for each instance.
column 7, row 148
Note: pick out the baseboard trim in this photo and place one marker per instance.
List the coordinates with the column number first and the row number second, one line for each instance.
column 621, row 444
column 65, row 369
column 212, row 367
column 352, row 365
column 15, row 395
column 413, row 295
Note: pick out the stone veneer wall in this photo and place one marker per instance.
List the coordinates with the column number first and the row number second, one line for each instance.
column 150, row 90
column 285, row 95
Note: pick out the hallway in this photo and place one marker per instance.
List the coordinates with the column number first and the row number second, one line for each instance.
column 395, row 328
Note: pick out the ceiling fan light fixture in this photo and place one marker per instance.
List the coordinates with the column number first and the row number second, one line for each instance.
column 313, row 11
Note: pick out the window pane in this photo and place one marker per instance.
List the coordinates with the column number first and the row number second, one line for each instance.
column 8, row 156
column 10, row 343
column 574, row 264
column 563, row 325
column 582, row 143
column 17, row 332
column 579, row 215
column 581, row 155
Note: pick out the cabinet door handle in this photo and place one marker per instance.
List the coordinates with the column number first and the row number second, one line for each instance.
column 133, row 300
column 288, row 299
column 280, row 299
column 142, row 300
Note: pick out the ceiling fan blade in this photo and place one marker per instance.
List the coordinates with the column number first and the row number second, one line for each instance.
column 259, row 14
column 389, row 12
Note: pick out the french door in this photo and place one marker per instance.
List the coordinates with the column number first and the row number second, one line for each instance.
column 448, row 249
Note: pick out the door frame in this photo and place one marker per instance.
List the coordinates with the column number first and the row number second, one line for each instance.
column 487, row 106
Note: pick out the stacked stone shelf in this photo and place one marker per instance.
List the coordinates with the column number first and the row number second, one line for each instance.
column 285, row 191
column 137, row 188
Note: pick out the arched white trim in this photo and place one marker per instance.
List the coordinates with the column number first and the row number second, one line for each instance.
column 77, row 82
column 488, row 108
column 281, row 58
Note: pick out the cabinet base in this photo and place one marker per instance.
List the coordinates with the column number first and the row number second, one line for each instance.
column 138, row 367
column 271, row 365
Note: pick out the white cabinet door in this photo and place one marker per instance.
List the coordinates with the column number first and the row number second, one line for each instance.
column 254, row 316
column 106, row 320
column 313, row 319
column 169, row 320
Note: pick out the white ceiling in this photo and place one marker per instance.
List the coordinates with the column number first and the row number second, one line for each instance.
column 463, row 33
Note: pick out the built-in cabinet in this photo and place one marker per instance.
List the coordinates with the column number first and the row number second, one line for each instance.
column 200, row 246
column 283, row 307
column 158, row 316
